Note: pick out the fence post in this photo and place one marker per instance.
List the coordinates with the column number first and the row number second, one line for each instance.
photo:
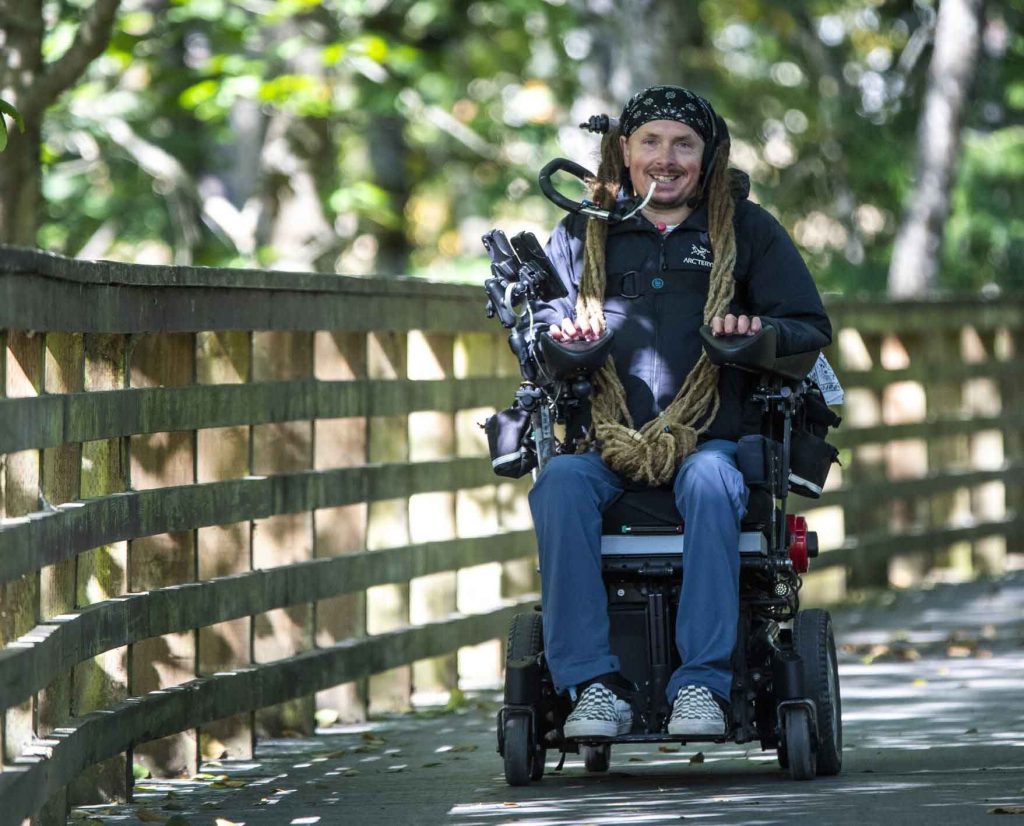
column 387, row 606
column 1012, row 391
column 102, row 574
column 61, row 483
column 223, row 453
column 945, row 398
column 19, row 600
column 479, row 587
column 867, row 465
column 432, row 515
column 287, row 538
column 160, row 460
column 342, row 442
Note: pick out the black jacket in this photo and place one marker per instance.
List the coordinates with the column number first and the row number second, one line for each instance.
column 654, row 302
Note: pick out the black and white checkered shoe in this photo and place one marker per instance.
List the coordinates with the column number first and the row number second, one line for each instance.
column 696, row 713
column 599, row 712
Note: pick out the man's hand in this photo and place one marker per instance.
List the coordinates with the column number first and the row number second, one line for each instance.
column 735, row 325
column 581, row 329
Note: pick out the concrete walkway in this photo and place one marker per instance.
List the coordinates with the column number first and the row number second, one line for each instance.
column 933, row 713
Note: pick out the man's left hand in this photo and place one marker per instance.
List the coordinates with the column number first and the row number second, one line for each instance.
column 735, row 325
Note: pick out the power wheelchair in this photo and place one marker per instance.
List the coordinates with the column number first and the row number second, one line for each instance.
column 785, row 691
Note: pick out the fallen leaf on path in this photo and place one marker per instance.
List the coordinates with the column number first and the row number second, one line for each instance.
column 636, row 760
column 1007, row 810
column 464, row 747
column 327, row 717
column 668, row 749
column 920, row 682
column 146, row 816
column 698, row 757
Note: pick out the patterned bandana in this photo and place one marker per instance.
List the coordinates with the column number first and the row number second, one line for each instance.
column 668, row 103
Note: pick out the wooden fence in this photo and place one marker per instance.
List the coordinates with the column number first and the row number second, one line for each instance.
column 247, row 502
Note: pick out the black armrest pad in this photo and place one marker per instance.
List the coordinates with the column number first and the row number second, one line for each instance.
column 566, row 359
column 756, row 353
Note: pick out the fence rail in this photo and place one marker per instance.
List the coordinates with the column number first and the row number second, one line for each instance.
column 237, row 502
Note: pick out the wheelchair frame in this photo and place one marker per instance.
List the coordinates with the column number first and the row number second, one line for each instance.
column 785, row 690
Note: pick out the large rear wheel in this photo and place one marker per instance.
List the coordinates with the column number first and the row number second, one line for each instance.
column 813, row 641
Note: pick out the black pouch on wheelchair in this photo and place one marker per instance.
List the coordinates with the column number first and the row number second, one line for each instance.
column 759, row 459
column 507, row 434
column 810, row 459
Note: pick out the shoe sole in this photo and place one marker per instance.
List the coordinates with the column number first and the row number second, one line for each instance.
column 594, row 728
column 696, row 728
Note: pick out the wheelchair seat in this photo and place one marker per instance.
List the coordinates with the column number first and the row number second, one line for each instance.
column 645, row 524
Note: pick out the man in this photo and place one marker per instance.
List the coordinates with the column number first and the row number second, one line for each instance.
column 694, row 250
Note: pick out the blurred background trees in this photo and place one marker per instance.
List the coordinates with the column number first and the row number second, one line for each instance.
column 385, row 136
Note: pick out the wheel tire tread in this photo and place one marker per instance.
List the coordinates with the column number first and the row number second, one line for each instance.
column 811, row 634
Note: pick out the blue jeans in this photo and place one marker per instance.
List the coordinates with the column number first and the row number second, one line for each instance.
column 567, row 502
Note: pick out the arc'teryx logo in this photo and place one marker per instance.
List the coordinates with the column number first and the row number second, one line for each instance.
column 698, row 256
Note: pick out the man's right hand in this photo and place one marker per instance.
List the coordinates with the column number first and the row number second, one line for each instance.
column 581, row 329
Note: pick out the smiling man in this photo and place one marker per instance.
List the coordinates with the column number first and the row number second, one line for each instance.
column 694, row 249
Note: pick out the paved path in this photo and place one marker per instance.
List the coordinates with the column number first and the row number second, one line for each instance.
column 933, row 711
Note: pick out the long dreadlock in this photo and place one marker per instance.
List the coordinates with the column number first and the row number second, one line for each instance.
column 651, row 454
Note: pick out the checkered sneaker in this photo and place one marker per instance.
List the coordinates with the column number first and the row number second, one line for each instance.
column 695, row 713
column 599, row 712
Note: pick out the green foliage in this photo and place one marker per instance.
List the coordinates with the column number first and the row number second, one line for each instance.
column 13, row 114
column 422, row 122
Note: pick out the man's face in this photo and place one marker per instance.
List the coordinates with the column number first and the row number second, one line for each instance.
column 669, row 153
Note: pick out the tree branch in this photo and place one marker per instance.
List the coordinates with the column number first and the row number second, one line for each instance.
column 90, row 41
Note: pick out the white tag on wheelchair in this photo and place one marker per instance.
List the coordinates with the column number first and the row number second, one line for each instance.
column 824, row 376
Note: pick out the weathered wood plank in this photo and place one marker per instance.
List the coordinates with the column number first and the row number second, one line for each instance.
column 865, row 496
column 932, row 427
column 49, row 421
column 25, row 786
column 55, row 646
column 31, row 542
column 883, row 545
column 928, row 373
column 31, row 302
column 874, row 316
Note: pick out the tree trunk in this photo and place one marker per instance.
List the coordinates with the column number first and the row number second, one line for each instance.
column 32, row 86
column 389, row 157
column 916, row 252
column 21, row 30
column 669, row 52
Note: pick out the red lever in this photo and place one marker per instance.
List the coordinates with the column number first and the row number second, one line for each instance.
column 796, row 527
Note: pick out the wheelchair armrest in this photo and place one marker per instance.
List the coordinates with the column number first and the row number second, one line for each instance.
column 756, row 353
column 569, row 359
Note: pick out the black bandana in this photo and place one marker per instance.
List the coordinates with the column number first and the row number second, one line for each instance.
column 668, row 103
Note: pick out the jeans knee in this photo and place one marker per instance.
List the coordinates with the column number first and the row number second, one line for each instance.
column 712, row 477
